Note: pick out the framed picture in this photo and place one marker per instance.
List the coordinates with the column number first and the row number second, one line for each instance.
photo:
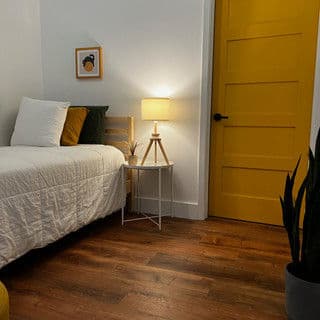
column 89, row 63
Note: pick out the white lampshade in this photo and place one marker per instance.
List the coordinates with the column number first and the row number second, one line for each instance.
column 155, row 109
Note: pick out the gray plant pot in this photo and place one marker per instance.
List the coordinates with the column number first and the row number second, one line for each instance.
column 302, row 297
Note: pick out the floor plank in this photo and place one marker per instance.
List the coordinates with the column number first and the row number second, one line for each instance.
column 215, row 269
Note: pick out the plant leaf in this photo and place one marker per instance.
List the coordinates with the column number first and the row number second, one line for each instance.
column 295, row 227
column 295, row 171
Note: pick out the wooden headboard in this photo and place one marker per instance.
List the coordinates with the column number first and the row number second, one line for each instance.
column 119, row 133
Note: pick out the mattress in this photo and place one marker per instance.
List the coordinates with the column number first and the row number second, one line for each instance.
column 46, row 193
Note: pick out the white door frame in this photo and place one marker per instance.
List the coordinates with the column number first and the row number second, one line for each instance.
column 315, row 122
column 205, row 112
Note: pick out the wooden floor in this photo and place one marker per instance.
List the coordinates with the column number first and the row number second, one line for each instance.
column 215, row 269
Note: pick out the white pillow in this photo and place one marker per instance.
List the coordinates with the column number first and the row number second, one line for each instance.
column 39, row 123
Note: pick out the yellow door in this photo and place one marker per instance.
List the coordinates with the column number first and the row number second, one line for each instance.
column 264, row 62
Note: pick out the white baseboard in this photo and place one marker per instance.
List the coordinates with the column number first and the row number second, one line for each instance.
column 187, row 210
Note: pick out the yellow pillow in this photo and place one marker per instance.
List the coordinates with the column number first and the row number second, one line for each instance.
column 73, row 126
column 4, row 303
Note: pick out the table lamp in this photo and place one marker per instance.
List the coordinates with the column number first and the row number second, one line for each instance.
column 155, row 109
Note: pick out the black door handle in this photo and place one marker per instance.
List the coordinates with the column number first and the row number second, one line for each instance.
column 219, row 117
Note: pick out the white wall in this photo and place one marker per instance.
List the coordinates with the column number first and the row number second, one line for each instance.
column 151, row 48
column 20, row 56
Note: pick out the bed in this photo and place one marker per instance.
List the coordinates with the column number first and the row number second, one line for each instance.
column 46, row 193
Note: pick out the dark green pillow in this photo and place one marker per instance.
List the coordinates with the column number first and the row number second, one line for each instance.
column 93, row 130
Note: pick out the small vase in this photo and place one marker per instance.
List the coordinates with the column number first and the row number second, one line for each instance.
column 133, row 160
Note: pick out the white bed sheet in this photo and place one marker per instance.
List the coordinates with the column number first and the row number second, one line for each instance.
column 46, row 193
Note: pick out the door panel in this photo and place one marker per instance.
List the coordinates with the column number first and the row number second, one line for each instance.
column 275, row 98
column 264, row 62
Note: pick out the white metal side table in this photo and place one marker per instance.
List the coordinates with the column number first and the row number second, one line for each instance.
column 159, row 167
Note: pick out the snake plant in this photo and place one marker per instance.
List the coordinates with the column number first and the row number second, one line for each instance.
column 305, row 258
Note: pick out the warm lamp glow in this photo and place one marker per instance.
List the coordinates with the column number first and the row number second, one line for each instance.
column 155, row 109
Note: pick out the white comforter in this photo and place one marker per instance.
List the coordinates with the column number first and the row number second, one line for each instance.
column 46, row 193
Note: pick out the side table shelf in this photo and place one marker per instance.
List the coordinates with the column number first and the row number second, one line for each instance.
column 159, row 167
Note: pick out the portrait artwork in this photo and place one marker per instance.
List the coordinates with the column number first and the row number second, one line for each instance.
column 88, row 62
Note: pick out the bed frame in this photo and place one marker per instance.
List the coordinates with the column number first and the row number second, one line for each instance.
column 119, row 132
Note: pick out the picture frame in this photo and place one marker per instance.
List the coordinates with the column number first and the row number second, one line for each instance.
column 89, row 63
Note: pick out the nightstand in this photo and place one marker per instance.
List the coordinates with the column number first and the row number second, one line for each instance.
column 159, row 167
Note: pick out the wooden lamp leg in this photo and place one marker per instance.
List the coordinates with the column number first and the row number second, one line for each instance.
column 155, row 151
column 163, row 152
column 155, row 141
column 147, row 152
